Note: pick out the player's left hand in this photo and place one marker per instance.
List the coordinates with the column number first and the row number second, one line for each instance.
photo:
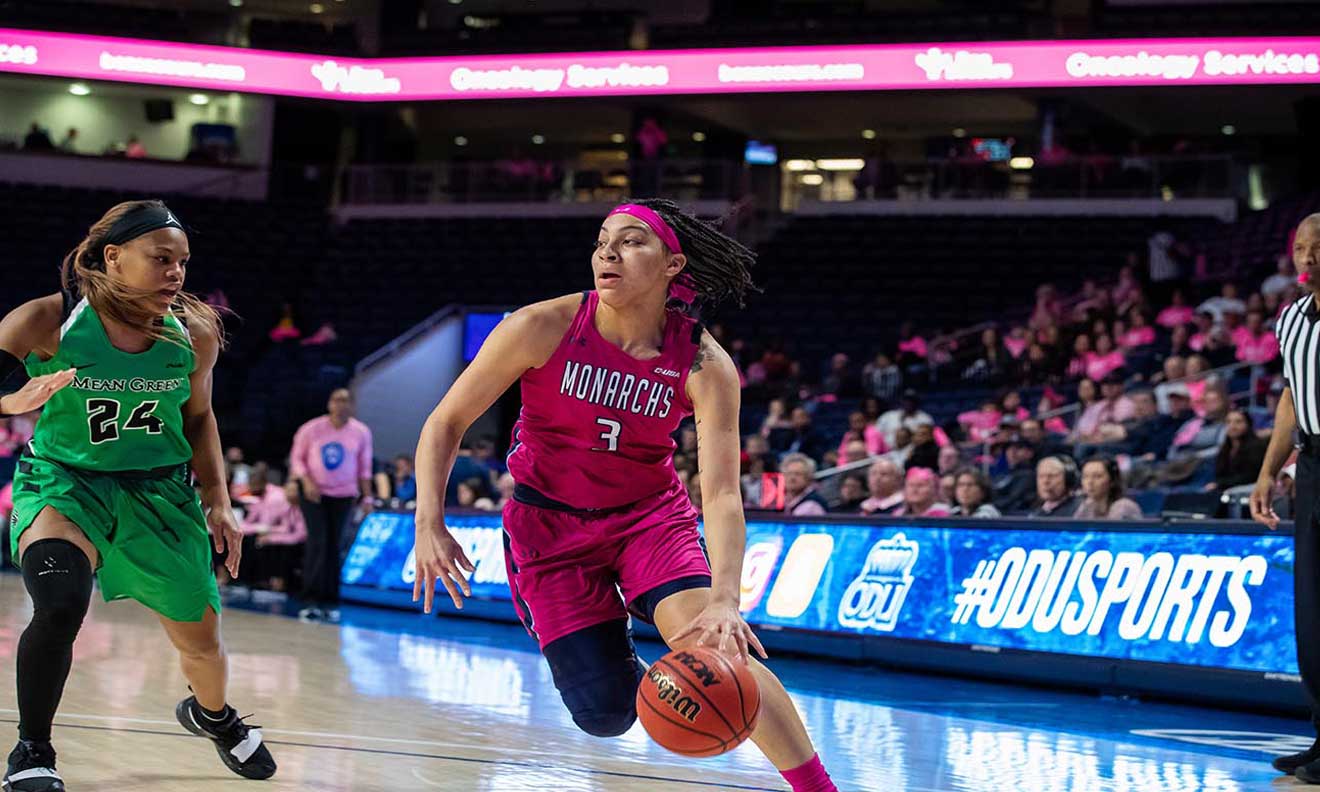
column 723, row 626
column 224, row 533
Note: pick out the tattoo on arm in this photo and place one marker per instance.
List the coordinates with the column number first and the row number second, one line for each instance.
column 700, row 358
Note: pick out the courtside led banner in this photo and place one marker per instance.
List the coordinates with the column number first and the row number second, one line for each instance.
column 1018, row 64
column 1216, row 600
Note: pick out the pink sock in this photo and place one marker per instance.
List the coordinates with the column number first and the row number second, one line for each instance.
column 809, row 777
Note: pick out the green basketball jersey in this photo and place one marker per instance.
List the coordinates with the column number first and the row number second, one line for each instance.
column 123, row 411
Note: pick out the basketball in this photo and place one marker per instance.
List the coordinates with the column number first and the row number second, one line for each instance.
column 697, row 702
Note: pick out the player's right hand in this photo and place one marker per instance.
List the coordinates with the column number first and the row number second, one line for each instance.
column 1262, row 504
column 37, row 391
column 439, row 557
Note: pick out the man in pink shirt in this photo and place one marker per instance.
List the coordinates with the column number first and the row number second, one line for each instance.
column 331, row 462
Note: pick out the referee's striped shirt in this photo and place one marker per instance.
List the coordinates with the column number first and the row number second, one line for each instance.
column 1298, row 330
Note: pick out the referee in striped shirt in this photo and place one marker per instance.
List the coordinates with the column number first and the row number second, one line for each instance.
column 1298, row 329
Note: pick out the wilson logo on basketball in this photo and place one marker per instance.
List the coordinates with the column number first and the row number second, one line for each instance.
column 700, row 670
column 668, row 692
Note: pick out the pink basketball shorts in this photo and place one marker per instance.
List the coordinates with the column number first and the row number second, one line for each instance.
column 574, row 569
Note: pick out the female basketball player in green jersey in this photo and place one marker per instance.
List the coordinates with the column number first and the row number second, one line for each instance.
column 121, row 359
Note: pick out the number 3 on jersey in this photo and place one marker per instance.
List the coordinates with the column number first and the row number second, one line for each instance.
column 611, row 433
column 103, row 417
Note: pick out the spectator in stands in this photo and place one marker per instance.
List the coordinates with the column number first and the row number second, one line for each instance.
column 400, row 483
column 134, row 148
column 1149, row 434
column 902, row 448
column 1088, row 393
column 1102, row 488
column 1200, row 437
column 1178, row 312
column 1056, row 482
column 37, row 139
column 1162, row 249
column 950, row 460
column 1257, row 345
column 912, row 348
column 1015, row 491
column 273, row 531
column 866, row 433
column 1204, row 331
column 948, row 485
column 852, row 493
column 925, row 451
column 1099, row 422
column 972, row 493
column 1048, row 309
column 884, row 486
column 1017, row 342
column 69, row 145
column 1128, row 288
column 474, row 493
column 1140, row 333
column 801, row 498
column 1227, row 302
column 979, row 425
column 331, row 460
column 1179, row 345
column 1283, row 278
column 1105, row 359
column 1199, row 379
column 1040, row 366
column 776, row 418
column 285, row 329
column 1082, row 351
column 907, row 415
column 854, row 451
column 881, row 378
column 800, row 438
column 1241, row 455
column 504, row 488
column 920, row 495
column 993, row 362
column 839, row 381
column 757, row 461
column 1046, row 443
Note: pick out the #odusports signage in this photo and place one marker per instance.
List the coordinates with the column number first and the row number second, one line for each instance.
column 1019, row 64
column 1216, row 600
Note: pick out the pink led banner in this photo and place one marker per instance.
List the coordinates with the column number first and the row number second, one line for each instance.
column 1022, row 64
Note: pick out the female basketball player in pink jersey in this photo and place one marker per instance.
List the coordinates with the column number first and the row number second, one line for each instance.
column 597, row 508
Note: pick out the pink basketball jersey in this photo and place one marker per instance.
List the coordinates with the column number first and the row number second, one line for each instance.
column 596, row 423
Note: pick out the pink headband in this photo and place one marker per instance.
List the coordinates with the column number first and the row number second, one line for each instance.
column 654, row 221
column 920, row 474
column 683, row 288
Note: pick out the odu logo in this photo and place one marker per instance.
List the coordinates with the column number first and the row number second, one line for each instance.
column 874, row 600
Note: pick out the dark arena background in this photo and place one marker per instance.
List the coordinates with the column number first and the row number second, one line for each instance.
column 1007, row 383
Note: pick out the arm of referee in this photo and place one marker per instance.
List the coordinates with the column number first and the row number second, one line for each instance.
column 1262, row 497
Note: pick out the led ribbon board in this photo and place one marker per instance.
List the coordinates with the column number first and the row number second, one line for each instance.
column 1018, row 64
column 1216, row 600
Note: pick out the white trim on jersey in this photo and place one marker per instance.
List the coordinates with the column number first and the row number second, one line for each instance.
column 73, row 317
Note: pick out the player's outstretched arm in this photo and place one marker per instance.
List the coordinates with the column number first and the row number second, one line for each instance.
column 32, row 327
column 715, row 394
column 525, row 339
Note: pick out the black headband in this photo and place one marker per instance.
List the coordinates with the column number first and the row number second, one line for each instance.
column 138, row 222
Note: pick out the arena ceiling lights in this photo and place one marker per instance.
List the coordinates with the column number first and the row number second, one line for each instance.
column 1019, row 64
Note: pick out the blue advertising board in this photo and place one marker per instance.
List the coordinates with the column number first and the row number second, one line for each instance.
column 1146, row 593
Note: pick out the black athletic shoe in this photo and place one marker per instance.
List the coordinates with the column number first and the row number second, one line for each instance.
column 239, row 745
column 1308, row 773
column 32, row 768
column 1290, row 763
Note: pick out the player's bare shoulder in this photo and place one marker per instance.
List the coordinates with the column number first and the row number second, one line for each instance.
column 713, row 359
column 538, row 328
column 34, row 326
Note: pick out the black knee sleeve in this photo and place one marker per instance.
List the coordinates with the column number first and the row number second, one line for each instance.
column 58, row 577
column 597, row 673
